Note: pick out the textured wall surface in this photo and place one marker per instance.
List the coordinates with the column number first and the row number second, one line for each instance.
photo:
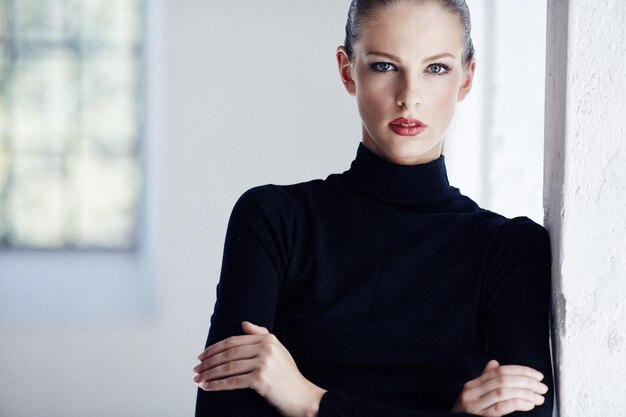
column 585, row 197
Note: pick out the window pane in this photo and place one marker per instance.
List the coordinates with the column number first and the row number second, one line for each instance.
column 3, row 19
column 43, row 97
column 46, row 21
column 5, row 167
column 36, row 203
column 109, row 115
column 104, row 194
column 113, row 21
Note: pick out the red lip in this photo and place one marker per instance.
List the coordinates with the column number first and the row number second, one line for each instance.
column 404, row 120
column 407, row 127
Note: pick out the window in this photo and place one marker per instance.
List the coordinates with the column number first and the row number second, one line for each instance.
column 70, row 123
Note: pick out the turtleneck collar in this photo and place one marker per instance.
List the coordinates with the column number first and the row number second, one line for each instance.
column 377, row 177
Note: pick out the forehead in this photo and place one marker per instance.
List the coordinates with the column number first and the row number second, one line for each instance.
column 412, row 28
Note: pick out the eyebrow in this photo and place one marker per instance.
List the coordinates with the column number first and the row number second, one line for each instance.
column 395, row 58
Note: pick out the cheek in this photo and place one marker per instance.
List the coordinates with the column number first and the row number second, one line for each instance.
column 372, row 97
column 444, row 97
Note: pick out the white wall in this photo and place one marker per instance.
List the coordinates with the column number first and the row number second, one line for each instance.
column 117, row 335
column 585, row 196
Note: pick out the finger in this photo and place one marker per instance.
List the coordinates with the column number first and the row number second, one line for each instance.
column 513, row 381
column 476, row 383
column 501, row 395
column 510, row 370
column 507, row 407
column 233, row 354
column 492, row 364
column 226, row 370
column 232, row 382
column 229, row 343
column 251, row 328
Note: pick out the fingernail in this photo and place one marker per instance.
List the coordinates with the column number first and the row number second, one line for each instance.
column 540, row 375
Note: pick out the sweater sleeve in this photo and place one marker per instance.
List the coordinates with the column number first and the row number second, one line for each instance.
column 336, row 404
column 517, row 302
column 254, row 262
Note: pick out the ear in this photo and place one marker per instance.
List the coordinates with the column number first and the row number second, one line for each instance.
column 345, row 70
column 468, row 79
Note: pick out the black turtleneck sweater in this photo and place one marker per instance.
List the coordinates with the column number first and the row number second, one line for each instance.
column 389, row 288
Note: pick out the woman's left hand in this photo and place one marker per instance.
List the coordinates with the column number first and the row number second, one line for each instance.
column 259, row 361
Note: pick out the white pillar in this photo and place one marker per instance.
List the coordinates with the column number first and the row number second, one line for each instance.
column 585, row 202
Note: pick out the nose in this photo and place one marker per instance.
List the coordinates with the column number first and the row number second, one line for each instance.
column 408, row 93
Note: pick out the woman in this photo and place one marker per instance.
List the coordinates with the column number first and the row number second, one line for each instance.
column 383, row 291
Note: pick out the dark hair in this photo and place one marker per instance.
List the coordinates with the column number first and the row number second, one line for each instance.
column 361, row 10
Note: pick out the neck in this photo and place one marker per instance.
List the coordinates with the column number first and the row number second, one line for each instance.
column 429, row 156
column 373, row 175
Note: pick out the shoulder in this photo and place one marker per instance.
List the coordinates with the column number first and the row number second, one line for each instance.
column 278, row 200
column 281, row 194
column 521, row 243
column 260, row 194
column 270, row 199
column 517, row 230
column 522, row 230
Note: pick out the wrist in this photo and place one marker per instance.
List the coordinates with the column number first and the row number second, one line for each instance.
column 312, row 404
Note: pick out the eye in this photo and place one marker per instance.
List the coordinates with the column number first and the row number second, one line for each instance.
column 381, row 66
column 439, row 69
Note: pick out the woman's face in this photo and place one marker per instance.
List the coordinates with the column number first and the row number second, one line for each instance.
column 407, row 63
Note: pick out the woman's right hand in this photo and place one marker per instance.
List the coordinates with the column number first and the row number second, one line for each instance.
column 500, row 390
